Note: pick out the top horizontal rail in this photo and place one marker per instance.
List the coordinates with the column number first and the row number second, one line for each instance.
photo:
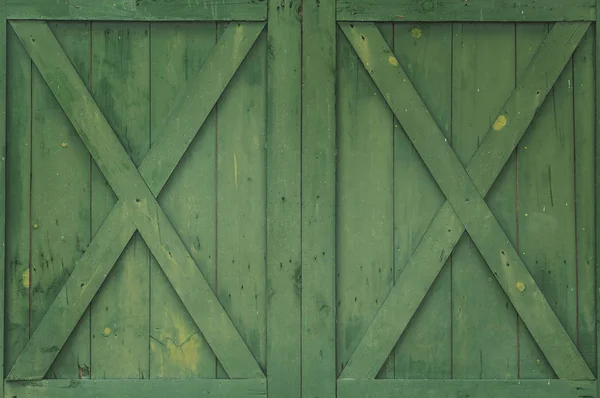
column 466, row 10
column 138, row 10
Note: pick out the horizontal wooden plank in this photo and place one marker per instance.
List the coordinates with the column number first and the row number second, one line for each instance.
column 143, row 10
column 453, row 10
column 465, row 388
column 130, row 388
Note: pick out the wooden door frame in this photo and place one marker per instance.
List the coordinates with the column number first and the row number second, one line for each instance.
column 320, row 21
column 283, row 190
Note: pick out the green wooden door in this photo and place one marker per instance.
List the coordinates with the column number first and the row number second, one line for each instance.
column 136, row 182
column 318, row 199
column 448, row 171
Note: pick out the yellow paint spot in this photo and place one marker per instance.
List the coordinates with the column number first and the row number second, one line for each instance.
column 235, row 170
column 180, row 343
column 35, row 226
column 416, row 33
column 26, row 279
column 107, row 331
column 393, row 60
column 520, row 287
column 526, row 215
column 500, row 123
column 64, row 145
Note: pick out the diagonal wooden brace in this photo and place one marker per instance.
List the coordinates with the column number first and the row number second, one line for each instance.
column 465, row 207
column 137, row 207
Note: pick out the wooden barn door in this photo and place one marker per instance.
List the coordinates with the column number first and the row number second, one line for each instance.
column 454, row 192
column 138, row 215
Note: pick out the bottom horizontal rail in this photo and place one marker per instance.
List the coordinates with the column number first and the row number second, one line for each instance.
column 128, row 388
column 466, row 388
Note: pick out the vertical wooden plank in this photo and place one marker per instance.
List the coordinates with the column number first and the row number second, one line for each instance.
column 584, row 111
column 220, row 371
column 425, row 53
column 177, row 347
column 597, row 179
column 484, row 328
column 364, row 220
column 18, row 171
column 241, row 199
column 546, row 203
column 120, row 311
column 318, row 199
column 3, row 41
column 284, row 259
column 60, row 168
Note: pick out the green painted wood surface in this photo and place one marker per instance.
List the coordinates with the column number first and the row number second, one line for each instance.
column 60, row 168
column 539, row 77
column 18, row 222
column 223, row 10
column 178, row 239
column 3, row 173
column 318, row 199
column 177, row 347
column 164, row 242
column 241, row 201
column 451, row 10
column 584, row 114
column 466, row 388
column 441, row 160
column 364, row 209
column 137, row 388
column 120, row 87
column 194, row 104
column 73, row 299
column 597, row 182
column 546, row 201
column 284, row 260
column 424, row 51
column 484, row 323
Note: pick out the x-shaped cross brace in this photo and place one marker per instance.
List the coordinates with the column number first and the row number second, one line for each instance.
column 137, row 208
column 465, row 208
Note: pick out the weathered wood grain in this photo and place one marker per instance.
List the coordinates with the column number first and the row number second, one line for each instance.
column 464, row 194
column 129, row 185
column 221, row 373
column 73, row 299
column 284, row 260
column 177, row 347
column 467, row 11
column 138, row 388
column 597, row 177
column 17, row 196
column 584, row 117
column 152, row 10
column 60, row 169
column 364, row 209
column 318, row 199
column 120, row 311
column 241, row 201
column 425, row 52
column 484, row 323
column 193, row 105
column 3, row 174
column 546, row 202
column 466, row 388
